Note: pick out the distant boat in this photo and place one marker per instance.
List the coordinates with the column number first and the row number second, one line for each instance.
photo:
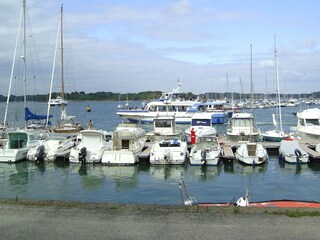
column 88, row 109
column 57, row 101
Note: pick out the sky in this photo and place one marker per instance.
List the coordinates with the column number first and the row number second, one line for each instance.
column 139, row 45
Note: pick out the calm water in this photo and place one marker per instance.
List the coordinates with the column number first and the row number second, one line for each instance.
column 154, row 184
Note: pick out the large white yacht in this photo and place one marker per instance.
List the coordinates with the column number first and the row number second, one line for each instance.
column 169, row 104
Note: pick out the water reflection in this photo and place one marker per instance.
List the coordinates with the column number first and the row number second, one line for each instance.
column 17, row 174
column 167, row 172
column 91, row 176
column 124, row 177
column 293, row 168
column 249, row 169
column 204, row 173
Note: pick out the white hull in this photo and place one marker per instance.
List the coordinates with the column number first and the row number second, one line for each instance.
column 173, row 155
column 251, row 154
column 205, row 152
column 291, row 152
column 121, row 157
column 13, row 155
column 54, row 148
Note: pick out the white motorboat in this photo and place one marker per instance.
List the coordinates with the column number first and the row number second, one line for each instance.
column 206, row 151
column 58, row 101
column 291, row 152
column 127, row 142
column 163, row 128
column 169, row 151
column 243, row 128
column 169, row 104
column 201, row 123
column 308, row 125
column 18, row 144
column 51, row 149
column 91, row 147
column 251, row 153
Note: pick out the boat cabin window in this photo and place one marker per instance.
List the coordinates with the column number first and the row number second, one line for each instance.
column 200, row 122
column 17, row 140
column 162, row 108
column 312, row 122
column 125, row 144
column 163, row 124
column 241, row 123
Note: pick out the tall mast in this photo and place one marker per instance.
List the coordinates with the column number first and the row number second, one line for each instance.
column 62, row 66
column 24, row 57
column 251, row 91
column 13, row 66
column 277, row 79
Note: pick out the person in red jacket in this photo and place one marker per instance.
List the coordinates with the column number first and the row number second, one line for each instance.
column 193, row 136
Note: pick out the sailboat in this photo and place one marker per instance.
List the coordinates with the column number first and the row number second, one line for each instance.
column 251, row 153
column 68, row 123
column 277, row 134
column 19, row 141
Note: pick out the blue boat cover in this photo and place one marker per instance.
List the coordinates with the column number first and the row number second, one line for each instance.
column 28, row 115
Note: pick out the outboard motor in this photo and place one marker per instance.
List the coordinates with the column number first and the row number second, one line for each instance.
column 203, row 154
column 83, row 155
column 40, row 154
column 298, row 155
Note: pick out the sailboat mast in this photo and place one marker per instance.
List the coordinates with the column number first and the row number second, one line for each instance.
column 62, row 65
column 251, row 90
column 277, row 79
column 24, row 57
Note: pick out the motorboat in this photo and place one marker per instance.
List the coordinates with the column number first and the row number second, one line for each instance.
column 308, row 125
column 127, row 143
column 243, row 128
column 18, row 144
column 50, row 149
column 201, row 124
column 163, row 128
column 91, row 147
column 206, row 151
column 58, row 101
column 169, row 151
column 291, row 152
column 168, row 104
column 251, row 153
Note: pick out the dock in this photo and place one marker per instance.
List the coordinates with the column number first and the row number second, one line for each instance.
column 313, row 155
column 228, row 149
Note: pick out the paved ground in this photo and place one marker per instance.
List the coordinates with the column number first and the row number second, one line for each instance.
column 69, row 220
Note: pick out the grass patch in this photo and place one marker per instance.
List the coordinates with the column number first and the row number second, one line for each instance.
column 295, row 213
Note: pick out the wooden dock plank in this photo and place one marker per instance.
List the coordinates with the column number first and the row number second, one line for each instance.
column 313, row 154
column 227, row 152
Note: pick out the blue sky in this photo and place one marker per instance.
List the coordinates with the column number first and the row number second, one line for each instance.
column 134, row 46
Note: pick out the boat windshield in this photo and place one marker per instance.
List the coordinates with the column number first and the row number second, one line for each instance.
column 200, row 122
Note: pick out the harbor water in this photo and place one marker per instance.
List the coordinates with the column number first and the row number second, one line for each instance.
column 146, row 184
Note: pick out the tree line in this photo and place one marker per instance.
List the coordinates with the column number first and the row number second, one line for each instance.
column 147, row 95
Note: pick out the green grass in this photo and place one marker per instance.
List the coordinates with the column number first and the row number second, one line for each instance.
column 296, row 213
